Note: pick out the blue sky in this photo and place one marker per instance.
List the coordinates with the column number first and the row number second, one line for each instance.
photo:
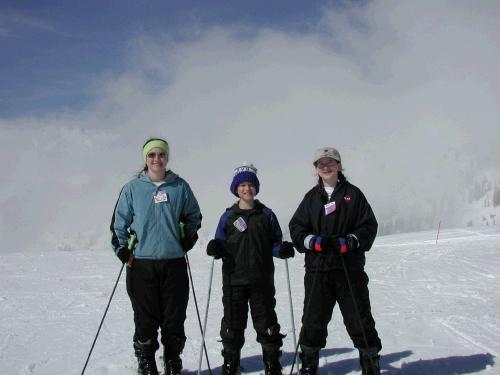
column 408, row 91
column 53, row 50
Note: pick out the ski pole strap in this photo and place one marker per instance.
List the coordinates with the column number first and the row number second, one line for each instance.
column 131, row 241
column 181, row 230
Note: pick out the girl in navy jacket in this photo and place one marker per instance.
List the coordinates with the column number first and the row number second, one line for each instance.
column 248, row 236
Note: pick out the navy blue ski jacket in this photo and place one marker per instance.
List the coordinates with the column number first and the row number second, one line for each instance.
column 250, row 250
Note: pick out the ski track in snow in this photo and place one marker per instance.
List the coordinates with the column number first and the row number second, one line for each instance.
column 469, row 339
column 5, row 344
column 437, row 308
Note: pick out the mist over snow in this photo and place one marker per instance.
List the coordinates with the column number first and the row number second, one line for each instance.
column 408, row 92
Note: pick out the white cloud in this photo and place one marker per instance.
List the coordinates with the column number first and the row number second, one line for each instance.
column 12, row 23
column 408, row 91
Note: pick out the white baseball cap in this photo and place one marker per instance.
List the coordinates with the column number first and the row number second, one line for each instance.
column 326, row 152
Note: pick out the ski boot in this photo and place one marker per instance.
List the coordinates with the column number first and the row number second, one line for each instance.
column 173, row 364
column 272, row 361
column 310, row 361
column 145, row 353
column 231, row 365
column 370, row 362
column 146, row 366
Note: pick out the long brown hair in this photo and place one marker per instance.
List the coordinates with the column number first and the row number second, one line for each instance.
column 144, row 169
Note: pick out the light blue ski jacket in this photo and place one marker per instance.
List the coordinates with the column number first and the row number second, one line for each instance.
column 155, row 224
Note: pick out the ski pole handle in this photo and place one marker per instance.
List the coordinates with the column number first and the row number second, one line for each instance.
column 131, row 244
column 131, row 241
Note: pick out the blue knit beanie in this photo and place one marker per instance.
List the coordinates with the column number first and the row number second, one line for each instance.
column 245, row 173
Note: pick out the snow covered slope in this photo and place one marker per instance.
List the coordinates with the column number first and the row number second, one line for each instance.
column 437, row 308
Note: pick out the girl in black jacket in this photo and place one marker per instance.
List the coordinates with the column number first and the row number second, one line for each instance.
column 247, row 238
column 334, row 226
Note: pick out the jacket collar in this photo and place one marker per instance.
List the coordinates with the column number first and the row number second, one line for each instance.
column 321, row 190
column 257, row 208
column 169, row 177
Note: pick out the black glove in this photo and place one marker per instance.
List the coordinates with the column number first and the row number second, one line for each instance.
column 187, row 243
column 216, row 248
column 123, row 254
column 286, row 250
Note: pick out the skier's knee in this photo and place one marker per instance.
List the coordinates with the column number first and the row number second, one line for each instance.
column 271, row 337
column 313, row 336
column 232, row 338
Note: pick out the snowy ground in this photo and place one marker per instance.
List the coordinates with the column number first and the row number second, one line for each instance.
column 437, row 308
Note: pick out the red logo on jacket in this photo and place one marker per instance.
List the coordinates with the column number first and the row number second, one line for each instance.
column 347, row 198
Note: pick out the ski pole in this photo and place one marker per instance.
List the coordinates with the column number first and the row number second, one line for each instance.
column 291, row 309
column 356, row 310
column 197, row 312
column 306, row 309
column 206, row 316
column 437, row 236
column 131, row 243
column 102, row 320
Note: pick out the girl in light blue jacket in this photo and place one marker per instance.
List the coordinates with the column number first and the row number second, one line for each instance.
column 152, row 206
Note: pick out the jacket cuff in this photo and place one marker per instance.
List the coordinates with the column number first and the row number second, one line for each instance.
column 307, row 242
column 276, row 249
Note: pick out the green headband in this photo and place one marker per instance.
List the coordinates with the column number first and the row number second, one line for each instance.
column 153, row 143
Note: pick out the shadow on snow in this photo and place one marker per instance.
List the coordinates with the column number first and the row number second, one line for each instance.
column 456, row 365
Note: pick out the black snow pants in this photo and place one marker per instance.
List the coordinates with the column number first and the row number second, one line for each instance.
column 159, row 292
column 236, row 299
column 322, row 291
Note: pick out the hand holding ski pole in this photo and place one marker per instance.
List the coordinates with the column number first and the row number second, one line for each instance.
column 216, row 248
column 287, row 250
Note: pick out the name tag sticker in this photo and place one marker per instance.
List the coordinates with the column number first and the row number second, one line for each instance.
column 161, row 196
column 240, row 224
column 330, row 207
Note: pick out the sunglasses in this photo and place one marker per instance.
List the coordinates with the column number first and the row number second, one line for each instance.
column 327, row 164
column 152, row 155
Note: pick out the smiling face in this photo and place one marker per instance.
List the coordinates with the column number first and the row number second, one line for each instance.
column 156, row 161
column 246, row 191
column 328, row 169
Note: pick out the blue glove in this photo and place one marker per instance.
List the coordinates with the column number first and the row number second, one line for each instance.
column 324, row 244
column 329, row 244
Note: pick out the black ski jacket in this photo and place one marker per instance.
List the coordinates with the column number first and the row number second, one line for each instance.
column 353, row 215
column 249, row 258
